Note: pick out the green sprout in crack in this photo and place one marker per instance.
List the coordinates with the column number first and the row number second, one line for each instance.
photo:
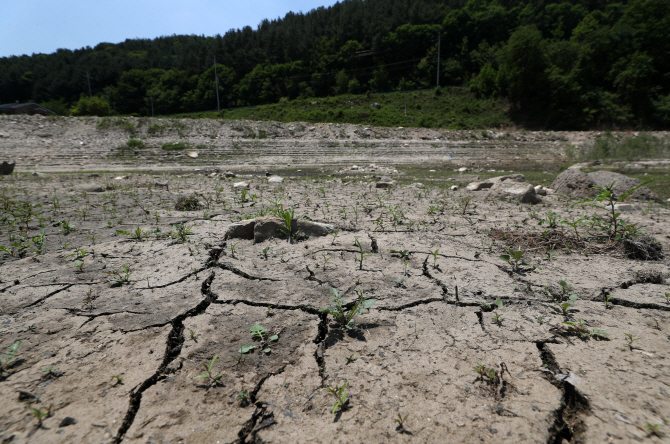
column 340, row 396
column 29, row 327
column 121, row 276
column 350, row 358
column 192, row 334
column 607, row 300
column 79, row 265
column 497, row 318
column 580, row 328
column 243, row 397
column 404, row 254
column 342, row 315
column 9, row 358
column 209, row 374
column 667, row 298
column 514, row 258
column 258, row 332
column 563, row 307
column 435, row 254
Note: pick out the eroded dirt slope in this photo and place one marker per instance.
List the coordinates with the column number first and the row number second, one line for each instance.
column 43, row 144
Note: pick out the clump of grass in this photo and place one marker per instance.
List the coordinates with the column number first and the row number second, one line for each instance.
column 176, row 146
column 118, row 122
column 135, row 143
column 190, row 203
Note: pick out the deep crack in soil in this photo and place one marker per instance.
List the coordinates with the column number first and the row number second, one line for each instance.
column 568, row 418
column 172, row 351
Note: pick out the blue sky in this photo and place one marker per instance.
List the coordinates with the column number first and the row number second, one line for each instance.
column 43, row 26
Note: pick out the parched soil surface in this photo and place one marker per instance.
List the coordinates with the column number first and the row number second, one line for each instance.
column 107, row 361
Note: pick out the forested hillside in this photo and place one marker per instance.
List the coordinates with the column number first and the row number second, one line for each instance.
column 572, row 64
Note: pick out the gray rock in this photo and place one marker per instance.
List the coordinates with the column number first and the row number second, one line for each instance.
column 313, row 229
column 269, row 227
column 229, row 174
column 514, row 191
column 385, row 184
column 511, row 177
column 540, row 190
column 275, row 179
column 622, row 184
column 478, row 186
column 241, row 230
column 241, row 185
column 574, row 181
column 624, row 207
column 454, row 188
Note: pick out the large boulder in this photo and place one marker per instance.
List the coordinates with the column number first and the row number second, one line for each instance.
column 574, row 182
column 622, row 184
column 514, row 191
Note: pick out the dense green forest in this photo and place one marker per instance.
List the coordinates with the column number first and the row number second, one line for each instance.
column 565, row 64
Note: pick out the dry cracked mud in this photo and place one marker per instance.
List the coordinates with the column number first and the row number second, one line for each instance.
column 112, row 357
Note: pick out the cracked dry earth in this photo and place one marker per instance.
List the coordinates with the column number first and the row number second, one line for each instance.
column 413, row 353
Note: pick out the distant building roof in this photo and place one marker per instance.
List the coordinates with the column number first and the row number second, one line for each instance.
column 25, row 108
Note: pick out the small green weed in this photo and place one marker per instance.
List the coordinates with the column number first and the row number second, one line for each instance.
column 514, row 258
column 9, row 358
column 582, row 330
column 342, row 315
column 214, row 379
column 340, row 396
column 121, row 276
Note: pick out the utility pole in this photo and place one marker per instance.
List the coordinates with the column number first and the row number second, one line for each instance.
column 439, row 41
column 88, row 78
column 216, row 78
